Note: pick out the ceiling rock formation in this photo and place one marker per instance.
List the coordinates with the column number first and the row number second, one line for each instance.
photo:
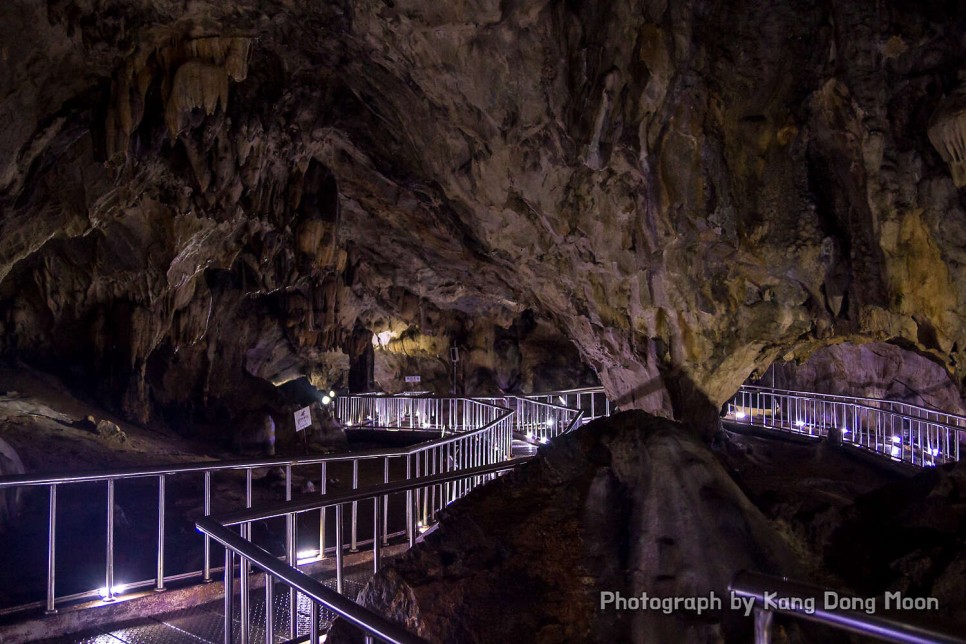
column 197, row 200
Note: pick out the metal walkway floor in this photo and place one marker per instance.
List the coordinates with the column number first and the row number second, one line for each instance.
column 205, row 623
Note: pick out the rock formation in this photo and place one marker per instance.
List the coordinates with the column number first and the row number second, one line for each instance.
column 199, row 201
column 872, row 370
column 629, row 504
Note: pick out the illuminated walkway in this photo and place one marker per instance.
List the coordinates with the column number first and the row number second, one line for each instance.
column 384, row 499
column 895, row 431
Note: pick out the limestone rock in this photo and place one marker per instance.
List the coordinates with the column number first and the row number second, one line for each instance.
column 631, row 504
column 679, row 192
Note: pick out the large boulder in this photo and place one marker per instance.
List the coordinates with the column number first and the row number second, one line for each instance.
column 632, row 504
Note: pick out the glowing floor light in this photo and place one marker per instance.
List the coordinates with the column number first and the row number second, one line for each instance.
column 799, row 423
column 543, row 439
column 306, row 556
column 549, row 422
column 896, row 439
column 740, row 415
column 117, row 588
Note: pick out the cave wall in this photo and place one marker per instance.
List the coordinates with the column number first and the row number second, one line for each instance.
column 871, row 370
column 208, row 197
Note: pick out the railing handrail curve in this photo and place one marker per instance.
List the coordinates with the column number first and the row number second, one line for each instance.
column 843, row 397
column 767, row 590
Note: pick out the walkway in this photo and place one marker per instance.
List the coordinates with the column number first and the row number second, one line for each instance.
column 370, row 499
column 895, row 431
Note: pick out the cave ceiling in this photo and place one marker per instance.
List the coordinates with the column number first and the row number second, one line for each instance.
column 201, row 198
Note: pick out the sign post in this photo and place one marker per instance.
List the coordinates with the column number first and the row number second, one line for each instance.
column 303, row 419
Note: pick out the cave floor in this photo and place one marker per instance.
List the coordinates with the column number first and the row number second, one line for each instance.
column 205, row 623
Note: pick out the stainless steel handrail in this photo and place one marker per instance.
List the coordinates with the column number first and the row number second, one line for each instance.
column 219, row 529
column 916, row 440
column 781, row 595
column 274, row 511
column 872, row 401
column 459, row 450
column 369, row 621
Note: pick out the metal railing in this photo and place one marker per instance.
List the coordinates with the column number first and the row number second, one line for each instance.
column 926, row 439
column 903, row 408
column 488, row 442
column 473, row 433
column 592, row 401
column 779, row 595
column 238, row 544
column 542, row 421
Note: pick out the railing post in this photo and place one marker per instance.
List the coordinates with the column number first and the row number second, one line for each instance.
column 229, row 593
column 385, row 503
column 322, row 487
column 51, row 549
column 269, row 609
column 293, row 622
column 763, row 626
column 244, row 569
column 314, row 626
column 376, row 529
column 338, row 548
column 206, row 576
column 159, row 582
column 410, row 524
column 354, row 547
column 109, row 572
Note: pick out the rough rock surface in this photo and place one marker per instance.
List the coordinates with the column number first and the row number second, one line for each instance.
column 924, row 552
column 632, row 504
column 10, row 464
column 873, row 370
column 199, row 199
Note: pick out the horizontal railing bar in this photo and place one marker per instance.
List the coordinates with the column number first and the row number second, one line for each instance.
column 844, row 398
column 365, row 619
column 327, row 500
column 756, row 585
column 530, row 401
column 18, row 480
column 578, row 390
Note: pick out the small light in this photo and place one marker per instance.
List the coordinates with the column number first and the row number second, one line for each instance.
column 326, row 400
column 331, row 394
column 305, row 556
column 118, row 589
column 740, row 415
column 934, row 451
column 543, row 439
column 799, row 423
column 549, row 422
column 425, row 424
column 896, row 439
column 530, row 435
column 895, row 451
column 561, row 399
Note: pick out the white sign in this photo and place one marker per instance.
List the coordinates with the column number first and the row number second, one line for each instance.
column 412, row 378
column 303, row 419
